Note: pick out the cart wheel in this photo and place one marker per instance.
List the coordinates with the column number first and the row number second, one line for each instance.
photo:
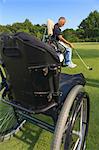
column 9, row 123
column 72, row 125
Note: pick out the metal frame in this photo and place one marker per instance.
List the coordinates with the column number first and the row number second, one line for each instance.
column 37, row 122
column 26, row 115
column 52, row 111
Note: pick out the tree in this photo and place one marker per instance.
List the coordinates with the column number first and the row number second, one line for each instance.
column 70, row 35
column 90, row 25
column 88, row 30
column 25, row 26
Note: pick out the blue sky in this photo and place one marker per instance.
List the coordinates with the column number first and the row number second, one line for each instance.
column 38, row 11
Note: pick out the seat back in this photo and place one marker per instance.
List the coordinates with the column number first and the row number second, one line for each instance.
column 48, row 32
column 50, row 27
column 33, row 71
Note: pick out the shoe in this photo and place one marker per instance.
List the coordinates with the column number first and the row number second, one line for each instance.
column 71, row 65
column 64, row 65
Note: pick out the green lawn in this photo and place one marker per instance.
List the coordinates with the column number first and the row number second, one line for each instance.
column 34, row 138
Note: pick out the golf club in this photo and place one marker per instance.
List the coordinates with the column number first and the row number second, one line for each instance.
column 87, row 67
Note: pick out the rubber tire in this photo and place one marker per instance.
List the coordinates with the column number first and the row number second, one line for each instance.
column 63, row 116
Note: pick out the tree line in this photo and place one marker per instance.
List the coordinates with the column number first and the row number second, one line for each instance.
column 88, row 30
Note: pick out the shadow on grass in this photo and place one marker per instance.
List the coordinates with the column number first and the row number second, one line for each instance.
column 92, row 82
column 29, row 135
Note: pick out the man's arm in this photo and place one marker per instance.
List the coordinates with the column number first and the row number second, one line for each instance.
column 65, row 41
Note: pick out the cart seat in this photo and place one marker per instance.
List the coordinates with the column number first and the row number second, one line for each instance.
column 33, row 72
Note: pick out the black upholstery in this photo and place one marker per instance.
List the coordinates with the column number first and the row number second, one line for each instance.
column 36, row 43
column 67, row 82
column 33, row 70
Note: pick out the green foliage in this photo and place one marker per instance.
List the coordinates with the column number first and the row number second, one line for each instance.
column 70, row 35
column 25, row 26
column 90, row 26
column 88, row 30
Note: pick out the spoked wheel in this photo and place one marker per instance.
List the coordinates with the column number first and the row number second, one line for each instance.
column 72, row 125
column 10, row 123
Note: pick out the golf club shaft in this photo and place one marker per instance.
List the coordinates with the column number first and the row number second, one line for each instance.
column 81, row 59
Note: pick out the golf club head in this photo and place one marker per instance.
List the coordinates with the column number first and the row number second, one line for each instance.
column 89, row 68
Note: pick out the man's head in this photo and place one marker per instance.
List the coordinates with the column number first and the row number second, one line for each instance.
column 61, row 21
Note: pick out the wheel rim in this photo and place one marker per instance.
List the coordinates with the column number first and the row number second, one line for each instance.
column 76, row 128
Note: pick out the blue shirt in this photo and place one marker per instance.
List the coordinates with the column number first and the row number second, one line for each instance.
column 56, row 32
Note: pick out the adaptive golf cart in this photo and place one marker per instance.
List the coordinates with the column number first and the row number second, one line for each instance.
column 31, row 83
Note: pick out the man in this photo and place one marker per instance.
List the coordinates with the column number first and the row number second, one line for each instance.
column 57, row 35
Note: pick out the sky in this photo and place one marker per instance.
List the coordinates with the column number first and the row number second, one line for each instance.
column 38, row 11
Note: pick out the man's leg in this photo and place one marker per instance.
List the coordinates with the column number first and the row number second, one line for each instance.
column 68, row 56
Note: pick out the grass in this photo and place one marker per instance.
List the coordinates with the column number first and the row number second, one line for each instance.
column 34, row 138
